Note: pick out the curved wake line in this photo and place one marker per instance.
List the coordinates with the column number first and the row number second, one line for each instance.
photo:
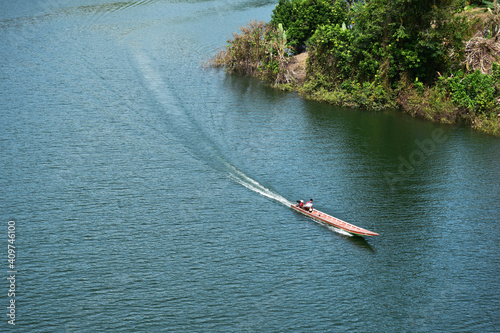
column 256, row 187
column 253, row 185
column 185, row 125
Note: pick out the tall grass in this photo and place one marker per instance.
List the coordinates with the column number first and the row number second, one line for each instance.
column 259, row 50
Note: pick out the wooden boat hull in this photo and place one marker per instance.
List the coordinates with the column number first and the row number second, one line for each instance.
column 337, row 223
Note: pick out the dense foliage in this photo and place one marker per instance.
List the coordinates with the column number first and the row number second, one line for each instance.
column 475, row 91
column 391, row 39
column 259, row 50
column 300, row 18
column 418, row 55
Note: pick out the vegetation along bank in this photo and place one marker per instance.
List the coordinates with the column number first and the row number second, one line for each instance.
column 438, row 60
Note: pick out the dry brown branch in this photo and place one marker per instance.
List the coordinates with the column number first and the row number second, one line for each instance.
column 483, row 49
column 481, row 53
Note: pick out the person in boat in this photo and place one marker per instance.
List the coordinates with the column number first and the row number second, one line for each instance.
column 309, row 205
column 300, row 203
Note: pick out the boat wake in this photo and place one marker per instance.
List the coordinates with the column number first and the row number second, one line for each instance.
column 194, row 138
column 198, row 143
column 255, row 186
column 337, row 230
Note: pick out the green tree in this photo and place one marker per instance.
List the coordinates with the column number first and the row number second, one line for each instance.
column 301, row 18
column 394, row 39
column 415, row 37
column 331, row 56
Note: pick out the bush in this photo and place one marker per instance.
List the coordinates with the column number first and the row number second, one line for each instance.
column 489, row 124
column 330, row 55
column 475, row 91
column 428, row 103
column 300, row 18
column 260, row 50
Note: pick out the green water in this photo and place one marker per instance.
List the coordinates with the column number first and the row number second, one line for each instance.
column 149, row 194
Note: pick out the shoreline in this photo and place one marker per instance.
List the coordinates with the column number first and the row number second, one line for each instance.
column 425, row 104
column 390, row 73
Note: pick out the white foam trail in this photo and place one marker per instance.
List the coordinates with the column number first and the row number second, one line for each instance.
column 253, row 185
column 261, row 190
column 337, row 230
column 157, row 84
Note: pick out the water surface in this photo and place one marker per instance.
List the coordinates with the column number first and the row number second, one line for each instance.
column 149, row 193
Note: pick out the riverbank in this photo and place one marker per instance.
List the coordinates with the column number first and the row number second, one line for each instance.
column 445, row 72
column 427, row 103
column 433, row 104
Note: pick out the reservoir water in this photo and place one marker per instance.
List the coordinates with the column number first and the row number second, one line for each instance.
column 149, row 193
